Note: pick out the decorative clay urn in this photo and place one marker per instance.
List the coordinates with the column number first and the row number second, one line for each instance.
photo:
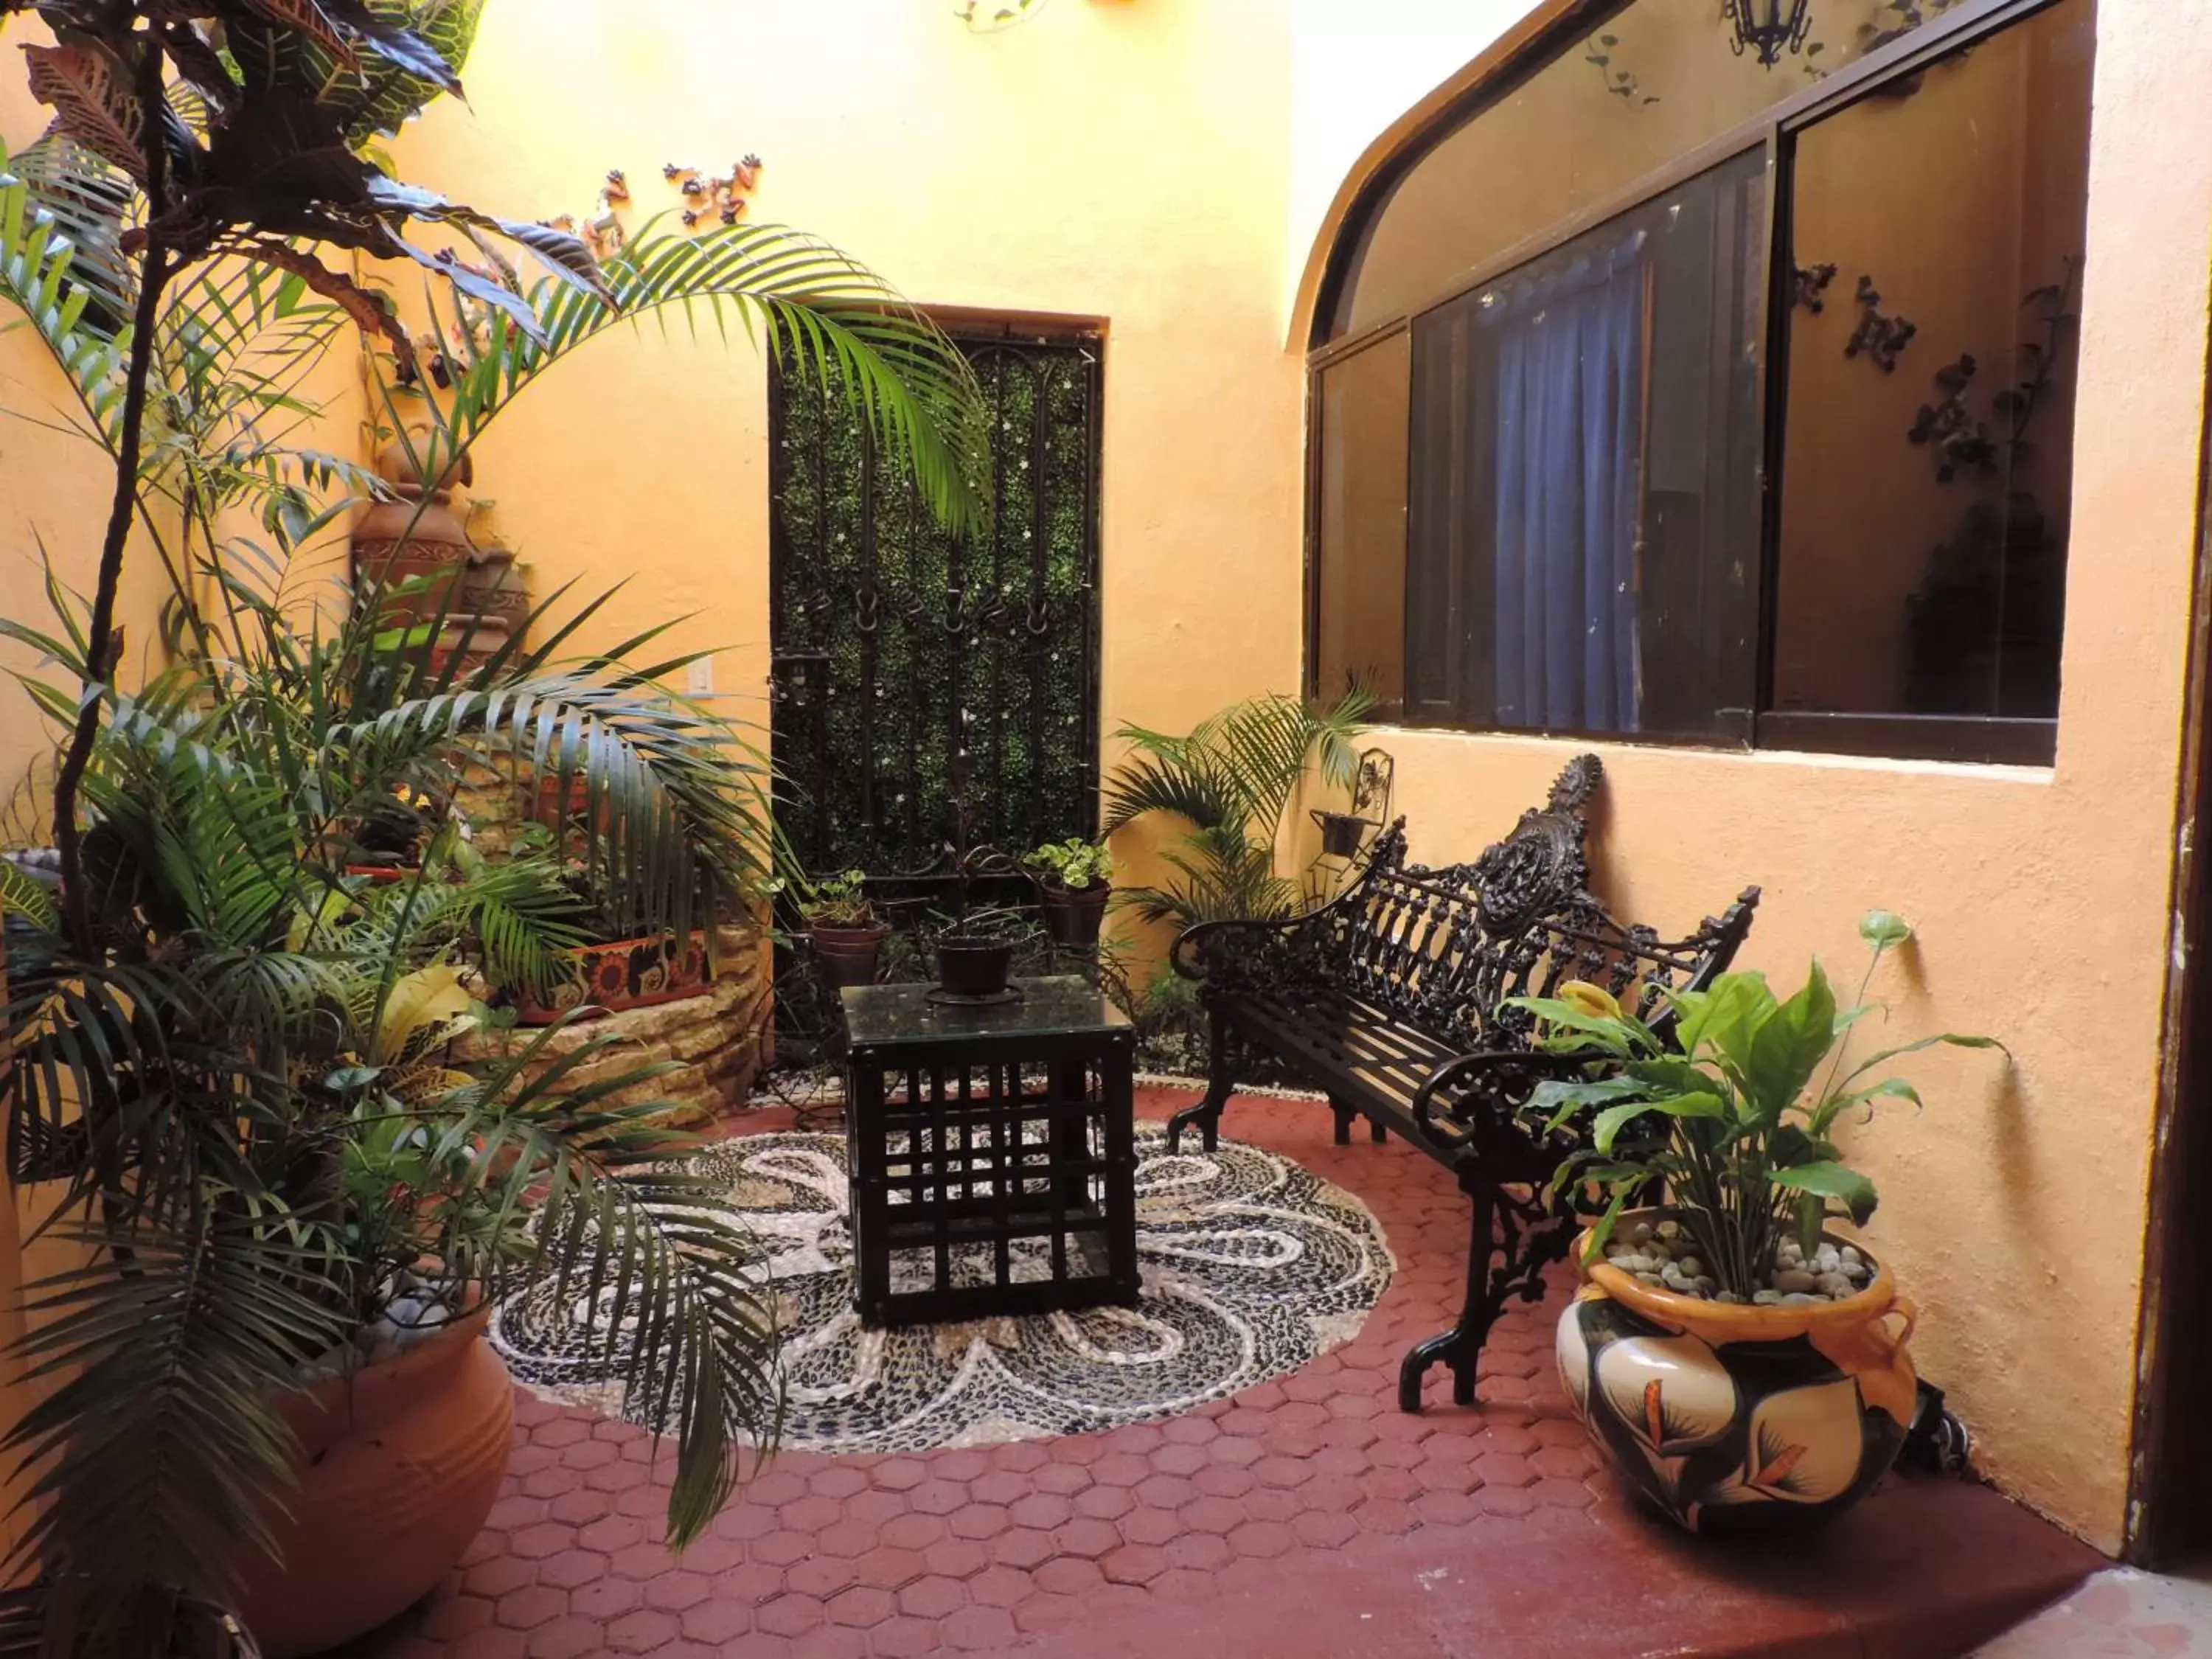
column 409, row 552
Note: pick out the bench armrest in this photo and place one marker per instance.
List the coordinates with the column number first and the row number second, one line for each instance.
column 1205, row 947
column 1504, row 1077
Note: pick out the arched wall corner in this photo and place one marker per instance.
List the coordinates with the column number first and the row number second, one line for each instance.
column 1525, row 43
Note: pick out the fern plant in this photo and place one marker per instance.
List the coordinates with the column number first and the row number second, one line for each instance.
column 1232, row 780
column 226, row 1053
column 257, row 1035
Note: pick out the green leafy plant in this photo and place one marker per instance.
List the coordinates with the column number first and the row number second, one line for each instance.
column 1727, row 1115
column 838, row 900
column 229, row 1059
column 243, row 1105
column 1233, row 780
column 213, row 142
column 1074, row 863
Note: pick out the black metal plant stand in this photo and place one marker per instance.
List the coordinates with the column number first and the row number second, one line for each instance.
column 992, row 1150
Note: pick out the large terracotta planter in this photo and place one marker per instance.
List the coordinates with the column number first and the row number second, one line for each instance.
column 1734, row 1419
column 630, row 973
column 401, row 1464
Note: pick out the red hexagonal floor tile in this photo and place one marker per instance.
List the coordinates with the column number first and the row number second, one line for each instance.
column 1256, row 1503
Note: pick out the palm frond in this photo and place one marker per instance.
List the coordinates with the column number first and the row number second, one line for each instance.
column 1232, row 779
column 789, row 291
column 648, row 1247
column 149, row 1460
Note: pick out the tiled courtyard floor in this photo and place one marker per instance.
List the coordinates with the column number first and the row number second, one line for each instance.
column 2119, row 1614
column 1305, row 1515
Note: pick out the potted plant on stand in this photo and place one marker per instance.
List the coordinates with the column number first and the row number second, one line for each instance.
column 844, row 929
column 974, row 955
column 1744, row 1366
column 1074, row 879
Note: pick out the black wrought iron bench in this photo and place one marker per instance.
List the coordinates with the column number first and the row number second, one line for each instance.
column 1390, row 998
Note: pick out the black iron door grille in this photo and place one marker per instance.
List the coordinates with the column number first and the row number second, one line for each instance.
column 921, row 679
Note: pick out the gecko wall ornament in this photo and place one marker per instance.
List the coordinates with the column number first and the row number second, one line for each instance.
column 708, row 198
column 1878, row 337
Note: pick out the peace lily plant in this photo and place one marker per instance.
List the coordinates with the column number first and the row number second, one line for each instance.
column 1715, row 1098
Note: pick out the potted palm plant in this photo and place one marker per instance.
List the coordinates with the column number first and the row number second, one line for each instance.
column 620, row 961
column 1074, row 880
column 227, row 1082
column 1743, row 1363
column 1230, row 783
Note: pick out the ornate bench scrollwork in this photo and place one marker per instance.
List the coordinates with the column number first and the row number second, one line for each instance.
column 1391, row 999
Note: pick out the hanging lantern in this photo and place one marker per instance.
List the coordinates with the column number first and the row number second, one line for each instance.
column 1766, row 26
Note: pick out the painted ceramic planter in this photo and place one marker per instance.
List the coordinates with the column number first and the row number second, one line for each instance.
column 631, row 973
column 400, row 1464
column 383, row 875
column 1740, row 1419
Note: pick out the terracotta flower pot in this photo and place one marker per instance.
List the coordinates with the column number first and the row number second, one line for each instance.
column 1736, row 1418
column 474, row 639
column 383, row 874
column 1072, row 915
column 401, row 1464
column 847, row 955
column 630, row 973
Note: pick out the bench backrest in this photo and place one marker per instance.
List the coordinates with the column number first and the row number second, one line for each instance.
column 1443, row 949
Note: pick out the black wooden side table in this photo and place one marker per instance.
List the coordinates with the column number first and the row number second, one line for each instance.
column 992, row 1165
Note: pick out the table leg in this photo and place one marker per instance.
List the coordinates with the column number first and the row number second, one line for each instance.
column 866, row 1195
column 1118, row 1097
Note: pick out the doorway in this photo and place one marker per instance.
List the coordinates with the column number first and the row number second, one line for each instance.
column 2169, row 1520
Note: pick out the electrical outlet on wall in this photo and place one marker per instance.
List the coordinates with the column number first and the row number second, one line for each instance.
column 702, row 683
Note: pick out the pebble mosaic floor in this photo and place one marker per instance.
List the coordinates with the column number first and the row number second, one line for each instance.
column 1252, row 1268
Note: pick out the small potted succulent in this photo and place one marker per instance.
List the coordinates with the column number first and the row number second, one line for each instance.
column 846, row 934
column 1074, row 878
column 975, row 955
column 1744, row 1366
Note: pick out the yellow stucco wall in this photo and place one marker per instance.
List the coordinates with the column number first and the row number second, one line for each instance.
column 54, row 493
column 1151, row 163
column 1116, row 161
column 2014, row 1207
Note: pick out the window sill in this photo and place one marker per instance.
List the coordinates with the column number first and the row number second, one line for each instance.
column 1972, row 740
column 1947, row 740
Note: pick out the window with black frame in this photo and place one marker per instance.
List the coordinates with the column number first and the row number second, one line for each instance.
column 1775, row 450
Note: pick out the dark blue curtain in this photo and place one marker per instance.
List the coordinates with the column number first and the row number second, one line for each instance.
column 1568, row 436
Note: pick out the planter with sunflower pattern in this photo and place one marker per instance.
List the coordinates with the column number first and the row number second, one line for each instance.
column 1735, row 1419
column 631, row 973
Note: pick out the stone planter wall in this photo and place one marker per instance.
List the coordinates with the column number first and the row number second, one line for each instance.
column 720, row 1039
column 716, row 1039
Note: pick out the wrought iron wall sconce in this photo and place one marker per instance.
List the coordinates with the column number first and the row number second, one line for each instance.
column 1344, row 833
column 1767, row 27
